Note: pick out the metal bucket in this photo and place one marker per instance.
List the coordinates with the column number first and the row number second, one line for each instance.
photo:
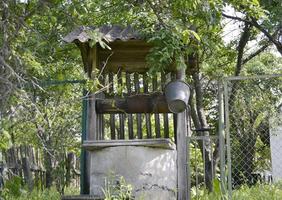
column 177, row 95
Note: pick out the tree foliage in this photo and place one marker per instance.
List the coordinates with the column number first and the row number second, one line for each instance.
column 185, row 33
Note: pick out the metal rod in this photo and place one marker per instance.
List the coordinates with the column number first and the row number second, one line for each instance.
column 221, row 136
column 232, row 78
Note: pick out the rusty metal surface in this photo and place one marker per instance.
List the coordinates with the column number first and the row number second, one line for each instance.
column 109, row 33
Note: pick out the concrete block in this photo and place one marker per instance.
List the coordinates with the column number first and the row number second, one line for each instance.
column 152, row 172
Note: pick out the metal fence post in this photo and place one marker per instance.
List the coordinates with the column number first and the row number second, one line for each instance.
column 228, row 144
column 83, row 155
column 221, row 136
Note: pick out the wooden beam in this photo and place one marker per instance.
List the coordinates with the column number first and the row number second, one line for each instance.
column 140, row 103
column 181, row 135
column 164, row 143
column 182, row 177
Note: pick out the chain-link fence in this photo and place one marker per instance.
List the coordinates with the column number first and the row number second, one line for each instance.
column 203, row 163
column 253, row 130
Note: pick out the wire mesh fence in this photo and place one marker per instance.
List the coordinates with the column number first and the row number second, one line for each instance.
column 253, row 130
column 203, row 164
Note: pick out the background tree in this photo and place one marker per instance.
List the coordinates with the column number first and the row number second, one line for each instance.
column 187, row 33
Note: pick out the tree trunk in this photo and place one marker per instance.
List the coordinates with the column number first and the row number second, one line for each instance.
column 200, row 122
column 48, row 165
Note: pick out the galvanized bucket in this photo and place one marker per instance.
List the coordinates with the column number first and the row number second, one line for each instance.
column 177, row 95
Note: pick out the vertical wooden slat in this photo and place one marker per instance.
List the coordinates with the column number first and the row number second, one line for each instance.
column 102, row 80
column 138, row 116
column 100, row 119
column 130, row 119
column 147, row 115
column 172, row 76
column 112, row 116
column 121, row 116
column 165, row 115
column 157, row 117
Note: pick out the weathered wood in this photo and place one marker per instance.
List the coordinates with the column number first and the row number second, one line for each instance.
column 69, row 162
column 165, row 115
column 165, row 143
column 138, row 116
column 157, row 117
column 181, row 134
column 130, row 119
column 121, row 116
column 92, row 60
column 174, row 116
column 142, row 103
column 100, row 119
column 92, row 133
column 27, row 173
column 147, row 116
column 182, row 178
column 128, row 56
column 81, row 197
column 112, row 116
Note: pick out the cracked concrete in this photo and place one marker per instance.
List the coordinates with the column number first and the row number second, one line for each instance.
column 151, row 171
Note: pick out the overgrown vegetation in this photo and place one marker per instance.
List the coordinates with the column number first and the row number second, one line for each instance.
column 189, row 33
column 14, row 190
column 256, row 192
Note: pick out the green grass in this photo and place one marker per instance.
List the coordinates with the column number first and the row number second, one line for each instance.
column 47, row 194
column 257, row 192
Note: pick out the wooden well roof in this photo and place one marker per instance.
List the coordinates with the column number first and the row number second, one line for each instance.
column 128, row 49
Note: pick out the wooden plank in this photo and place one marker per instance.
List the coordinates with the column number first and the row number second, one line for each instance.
column 182, row 178
column 157, row 117
column 112, row 116
column 99, row 126
column 138, row 116
column 91, row 118
column 173, row 77
column 147, row 116
column 100, row 120
column 130, row 119
column 165, row 115
column 121, row 116
column 81, row 197
column 129, row 55
column 159, row 143
column 27, row 173
column 142, row 103
column 181, row 134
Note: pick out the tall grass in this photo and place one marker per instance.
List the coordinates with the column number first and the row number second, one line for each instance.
column 256, row 192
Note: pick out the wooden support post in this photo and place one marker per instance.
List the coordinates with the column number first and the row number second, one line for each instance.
column 91, row 128
column 181, row 134
column 182, row 184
